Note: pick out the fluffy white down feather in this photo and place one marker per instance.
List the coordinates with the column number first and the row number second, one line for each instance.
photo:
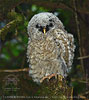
column 49, row 53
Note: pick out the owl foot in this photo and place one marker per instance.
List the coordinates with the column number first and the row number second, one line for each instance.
column 48, row 77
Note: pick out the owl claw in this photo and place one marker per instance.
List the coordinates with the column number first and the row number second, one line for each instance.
column 52, row 75
column 48, row 77
column 59, row 77
column 43, row 79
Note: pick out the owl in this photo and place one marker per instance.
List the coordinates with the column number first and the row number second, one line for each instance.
column 50, row 48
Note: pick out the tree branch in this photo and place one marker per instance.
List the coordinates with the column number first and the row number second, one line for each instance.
column 79, row 36
column 16, row 70
column 57, row 4
column 10, row 26
column 7, row 5
column 83, row 57
column 6, row 29
column 83, row 97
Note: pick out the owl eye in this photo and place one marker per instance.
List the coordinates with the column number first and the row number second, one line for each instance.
column 50, row 20
column 37, row 26
column 51, row 25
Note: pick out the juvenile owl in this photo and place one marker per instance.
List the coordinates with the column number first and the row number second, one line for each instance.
column 50, row 48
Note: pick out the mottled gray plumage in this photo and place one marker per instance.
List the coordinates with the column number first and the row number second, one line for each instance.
column 49, row 53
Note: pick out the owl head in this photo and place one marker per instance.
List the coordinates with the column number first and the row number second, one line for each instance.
column 43, row 23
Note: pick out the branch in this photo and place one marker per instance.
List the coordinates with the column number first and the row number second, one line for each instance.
column 84, row 57
column 78, row 32
column 6, row 29
column 79, row 80
column 10, row 26
column 87, row 92
column 56, row 5
column 7, row 5
column 16, row 70
column 54, row 89
column 49, row 4
column 83, row 97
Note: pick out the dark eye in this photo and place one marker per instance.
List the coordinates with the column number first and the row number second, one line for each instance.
column 51, row 25
column 37, row 26
column 50, row 20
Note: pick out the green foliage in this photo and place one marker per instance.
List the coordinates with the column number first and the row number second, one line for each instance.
column 14, row 40
column 65, row 16
column 38, row 9
column 80, row 87
column 0, row 98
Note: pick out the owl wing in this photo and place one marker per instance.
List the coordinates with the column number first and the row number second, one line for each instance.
column 65, row 44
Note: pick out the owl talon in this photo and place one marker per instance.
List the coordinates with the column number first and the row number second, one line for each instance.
column 48, row 77
column 52, row 75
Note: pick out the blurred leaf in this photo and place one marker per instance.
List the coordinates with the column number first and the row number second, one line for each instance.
column 41, row 9
column 38, row 92
column 78, row 66
column 65, row 16
column 79, row 87
column 25, row 23
column 25, row 40
column 34, row 8
column 0, row 98
column 5, row 55
column 15, row 52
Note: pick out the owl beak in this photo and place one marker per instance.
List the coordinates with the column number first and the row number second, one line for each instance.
column 44, row 30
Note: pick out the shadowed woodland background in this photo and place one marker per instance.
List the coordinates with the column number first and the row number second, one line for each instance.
column 14, row 18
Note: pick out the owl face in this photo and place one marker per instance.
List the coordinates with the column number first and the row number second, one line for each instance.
column 43, row 23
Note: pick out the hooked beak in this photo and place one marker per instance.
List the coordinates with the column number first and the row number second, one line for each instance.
column 44, row 30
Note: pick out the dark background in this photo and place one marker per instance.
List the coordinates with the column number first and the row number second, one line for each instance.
column 14, row 18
